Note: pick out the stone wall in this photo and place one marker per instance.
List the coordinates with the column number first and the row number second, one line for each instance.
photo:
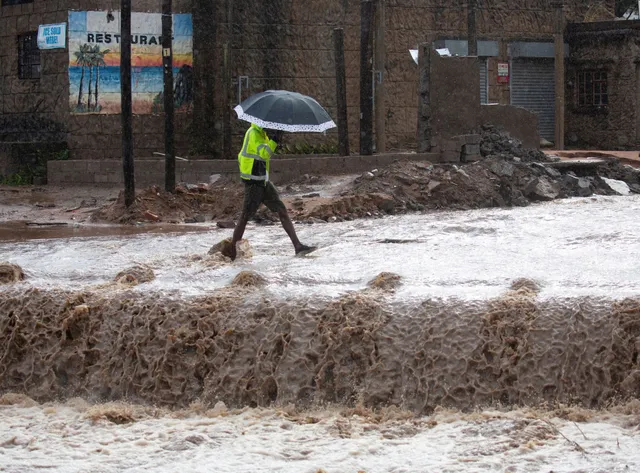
column 613, row 47
column 38, row 109
column 276, row 44
column 283, row 170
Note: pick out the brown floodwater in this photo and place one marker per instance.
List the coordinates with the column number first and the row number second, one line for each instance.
column 23, row 231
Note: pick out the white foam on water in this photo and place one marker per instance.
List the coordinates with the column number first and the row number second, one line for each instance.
column 576, row 247
column 59, row 438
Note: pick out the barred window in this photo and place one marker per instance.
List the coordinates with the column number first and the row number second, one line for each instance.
column 593, row 88
column 15, row 2
column 28, row 56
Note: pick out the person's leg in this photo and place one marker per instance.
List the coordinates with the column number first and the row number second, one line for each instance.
column 253, row 195
column 273, row 203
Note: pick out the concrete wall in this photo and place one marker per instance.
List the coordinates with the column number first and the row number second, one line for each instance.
column 456, row 108
column 613, row 47
column 148, row 172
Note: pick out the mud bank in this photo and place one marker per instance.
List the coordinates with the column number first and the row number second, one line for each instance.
column 239, row 347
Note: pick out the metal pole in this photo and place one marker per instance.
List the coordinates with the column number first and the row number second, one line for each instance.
column 560, row 79
column 424, row 99
column 167, row 63
column 125, row 101
column 472, row 32
column 341, row 92
column 366, row 77
column 380, row 107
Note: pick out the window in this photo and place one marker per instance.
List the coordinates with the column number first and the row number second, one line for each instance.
column 15, row 2
column 592, row 89
column 28, row 56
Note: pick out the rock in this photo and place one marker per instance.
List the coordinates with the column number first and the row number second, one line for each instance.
column 312, row 220
column 213, row 178
column 200, row 218
column 617, row 186
column 635, row 188
column 222, row 247
column 432, row 185
column 541, row 188
column 226, row 224
column 309, row 196
column 388, row 206
column 385, row 281
column 368, row 176
column 135, row 275
column 10, row 273
column 333, row 219
column 502, row 168
column 584, row 187
column 248, row 279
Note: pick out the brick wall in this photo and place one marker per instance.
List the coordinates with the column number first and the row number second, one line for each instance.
column 613, row 47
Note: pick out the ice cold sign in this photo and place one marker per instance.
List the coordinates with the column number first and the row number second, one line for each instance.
column 52, row 36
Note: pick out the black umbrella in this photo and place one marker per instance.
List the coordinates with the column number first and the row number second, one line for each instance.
column 286, row 111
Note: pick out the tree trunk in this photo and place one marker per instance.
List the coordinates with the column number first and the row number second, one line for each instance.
column 167, row 62
column 80, row 92
column 125, row 101
column 97, row 86
column 90, row 85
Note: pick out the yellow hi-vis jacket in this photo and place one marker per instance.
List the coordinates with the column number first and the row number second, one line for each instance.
column 256, row 153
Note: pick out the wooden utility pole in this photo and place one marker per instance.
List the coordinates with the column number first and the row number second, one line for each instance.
column 341, row 92
column 472, row 31
column 560, row 80
column 167, row 63
column 125, row 101
column 366, row 77
column 226, row 84
column 424, row 98
column 380, row 106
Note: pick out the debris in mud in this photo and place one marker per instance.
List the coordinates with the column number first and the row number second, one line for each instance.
column 500, row 144
column 135, row 275
column 385, row 281
column 223, row 248
column 10, row 273
column 116, row 413
column 248, row 279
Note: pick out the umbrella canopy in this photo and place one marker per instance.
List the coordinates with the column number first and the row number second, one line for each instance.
column 286, row 111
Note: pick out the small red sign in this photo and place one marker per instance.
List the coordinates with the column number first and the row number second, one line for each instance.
column 503, row 73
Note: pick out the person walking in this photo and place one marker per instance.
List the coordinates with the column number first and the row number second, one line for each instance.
column 254, row 162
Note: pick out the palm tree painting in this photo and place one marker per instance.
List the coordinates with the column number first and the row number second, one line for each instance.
column 82, row 59
column 91, row 57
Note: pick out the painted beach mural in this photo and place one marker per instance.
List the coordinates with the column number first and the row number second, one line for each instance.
column 94, row 62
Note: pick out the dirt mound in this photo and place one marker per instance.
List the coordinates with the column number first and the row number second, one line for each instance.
column 498, row 143
column 354, row 350
column 222, row 248
column 135, row 275
column 10, row 273
column 385, row 281
column 248, row 279
column 190, row 204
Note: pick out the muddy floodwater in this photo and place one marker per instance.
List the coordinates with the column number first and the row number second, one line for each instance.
column 578, row 247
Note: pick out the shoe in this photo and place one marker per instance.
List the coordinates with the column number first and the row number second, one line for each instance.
column 305, row 250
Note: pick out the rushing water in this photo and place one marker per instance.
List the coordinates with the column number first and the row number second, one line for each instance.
column 578, row 247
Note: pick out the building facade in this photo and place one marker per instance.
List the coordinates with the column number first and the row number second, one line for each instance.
column 272, row 44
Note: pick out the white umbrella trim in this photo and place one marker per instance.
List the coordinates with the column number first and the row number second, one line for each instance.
column 283, row 126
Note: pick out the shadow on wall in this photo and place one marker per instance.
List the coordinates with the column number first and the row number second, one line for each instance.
column 456, row 109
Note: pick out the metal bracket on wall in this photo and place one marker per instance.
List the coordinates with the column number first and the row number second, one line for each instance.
column 379, row 77
column 242, row 82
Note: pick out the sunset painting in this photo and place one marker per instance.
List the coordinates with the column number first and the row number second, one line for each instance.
column 94, row 62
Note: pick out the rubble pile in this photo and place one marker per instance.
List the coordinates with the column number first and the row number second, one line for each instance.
column 496, row 143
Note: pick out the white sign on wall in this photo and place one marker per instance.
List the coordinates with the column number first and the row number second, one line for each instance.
column 52, row 36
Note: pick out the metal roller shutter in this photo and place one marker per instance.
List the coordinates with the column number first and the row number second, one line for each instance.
column 533, row 88
column 484, row 92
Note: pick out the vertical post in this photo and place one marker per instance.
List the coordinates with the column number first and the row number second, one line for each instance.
column 472, row 32
column 380, row 49
column 226, row 102
column 125, row 102
column 341, row 92
column 366, row 77
column 226, row 95
column 167, row 63
column 560, row 80
column 424, row 98
column 637, row 107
